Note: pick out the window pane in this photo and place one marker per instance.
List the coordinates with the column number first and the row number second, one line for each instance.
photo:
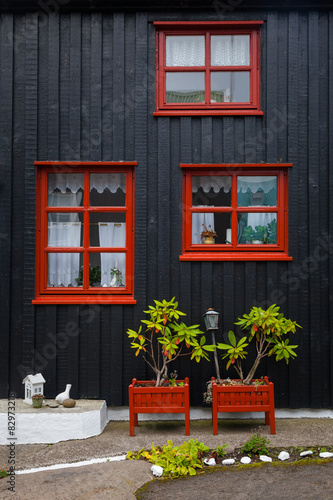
column 63, row 269
column 256, row 191
column 210, row 222
column 185, row 50
column 185, row 87
column 107, row 269
column 108, row 229
column 257, row 228
column 230, row 50
column 108, row 190
column 230, row 86
column 64, row 230
column 65, row 190
column 211, row 190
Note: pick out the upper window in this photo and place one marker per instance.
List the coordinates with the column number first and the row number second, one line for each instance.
column 235, row 212
column 85, row 232
column 207, row 68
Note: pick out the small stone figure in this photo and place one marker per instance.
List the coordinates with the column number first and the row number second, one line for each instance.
column 63, row 395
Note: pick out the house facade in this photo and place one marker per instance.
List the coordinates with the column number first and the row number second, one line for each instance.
column 127, row 130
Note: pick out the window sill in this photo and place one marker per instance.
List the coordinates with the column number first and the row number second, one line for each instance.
column 210, row 112
column 234, row 256
column 84, row 299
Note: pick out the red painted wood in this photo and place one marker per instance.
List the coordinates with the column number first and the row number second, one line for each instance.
column 236, row 251
column 244, row 399
column 207, row 29
column 84, row 294
column 165, row 399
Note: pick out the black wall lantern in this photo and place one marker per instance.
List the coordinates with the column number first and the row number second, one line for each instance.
column 211, row 319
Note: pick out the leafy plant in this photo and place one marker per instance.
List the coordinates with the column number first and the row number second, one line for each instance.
column 220, row 450
column 94, row 276
column 267, row 328
column 173, row 338
column 257, row 445
column 116, row 273
column 271, row 231
column 3, row 471
column 38, row 396
column 176, row 461
column 208, row 232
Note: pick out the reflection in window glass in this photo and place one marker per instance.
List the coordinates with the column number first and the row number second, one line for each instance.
column 257, row 228
column 63, row 269
column 230, row 86
column 107, row 269
column 185, row 87
column 256, row 191
column 230, row 50
column 107, row 190
column 185, row 50
column 211, row 190
column 210, row 223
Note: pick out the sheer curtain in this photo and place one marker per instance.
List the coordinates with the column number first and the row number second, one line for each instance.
column 198, row 219
column 230, row 50
column 112, row 234
column 185, row 50
column 64, row 230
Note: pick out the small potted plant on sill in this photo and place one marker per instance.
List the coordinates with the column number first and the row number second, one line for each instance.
column 209, row 235
column 164, row 339
column 37, row 400
column 267, row 328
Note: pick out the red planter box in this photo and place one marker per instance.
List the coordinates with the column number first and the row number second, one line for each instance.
column 244, row 398
column 165, row 399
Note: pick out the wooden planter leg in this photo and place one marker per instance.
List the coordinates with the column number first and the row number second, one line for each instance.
column 187, row 414
column 214, row 410
column 272, row 410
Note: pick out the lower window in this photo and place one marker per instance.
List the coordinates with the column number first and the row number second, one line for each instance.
column 235, row 212
column 85, row 232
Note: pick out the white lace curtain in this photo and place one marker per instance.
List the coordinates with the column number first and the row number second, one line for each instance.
column 64, row 230
column 74, row 182
column 230, row 50
column 112, row 234
column 226, row 50
column 244, row 183
column 198, row 219
column 185, row 50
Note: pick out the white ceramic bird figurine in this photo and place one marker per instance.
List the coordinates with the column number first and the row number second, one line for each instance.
column 63, row 395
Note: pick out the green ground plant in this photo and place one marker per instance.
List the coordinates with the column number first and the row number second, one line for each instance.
column 256, row 445
column 176, row 461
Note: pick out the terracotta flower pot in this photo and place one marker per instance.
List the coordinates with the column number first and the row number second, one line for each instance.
column 242, row 398
column 145, row 398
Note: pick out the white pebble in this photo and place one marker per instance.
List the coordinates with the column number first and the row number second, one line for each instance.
column 305, row 453
column 325, row 454
column 284, row 455
column 228, row 461
column 245, row 460
column 265, row 458
column 157, row 470
column 210, row 461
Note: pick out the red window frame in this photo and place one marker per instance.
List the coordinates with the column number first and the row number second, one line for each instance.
column 86, row 294
column 235, row 251
column 207, row 29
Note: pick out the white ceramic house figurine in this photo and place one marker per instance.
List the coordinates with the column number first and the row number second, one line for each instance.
column 63, row 395
column 34, row 384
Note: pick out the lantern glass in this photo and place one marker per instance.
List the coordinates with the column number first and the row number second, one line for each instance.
column 211, row 319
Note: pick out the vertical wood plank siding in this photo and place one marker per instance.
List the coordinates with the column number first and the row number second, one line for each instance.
column 81, row 86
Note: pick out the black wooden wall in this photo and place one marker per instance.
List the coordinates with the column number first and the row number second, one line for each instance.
column 80, row 86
